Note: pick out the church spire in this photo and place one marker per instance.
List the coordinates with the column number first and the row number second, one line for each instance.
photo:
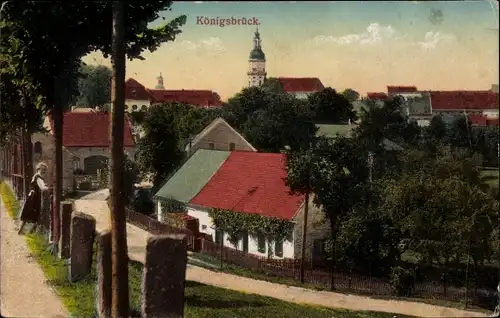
column 256, row 40
column 159, row 84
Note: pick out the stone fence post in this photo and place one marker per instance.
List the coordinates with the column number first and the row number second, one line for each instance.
column 104, row 275
column 81, row 246
column 164, row 276
column 65, row 231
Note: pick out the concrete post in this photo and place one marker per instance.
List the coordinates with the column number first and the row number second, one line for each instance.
column 164, row 277
column 81, row 249
column 104, row 275
column 65, row 232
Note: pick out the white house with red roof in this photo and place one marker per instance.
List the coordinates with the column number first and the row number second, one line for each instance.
column 245, row 182
column 138, row 97
column 86, row 142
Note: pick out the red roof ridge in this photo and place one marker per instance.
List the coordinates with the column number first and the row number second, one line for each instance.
column 284, row 77
column 301, row 84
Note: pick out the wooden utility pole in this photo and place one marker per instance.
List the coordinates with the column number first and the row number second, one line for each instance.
column 119, row 283
column 304, row 238
column 304, row 226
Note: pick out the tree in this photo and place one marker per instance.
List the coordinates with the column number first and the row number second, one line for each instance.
column 368, row 241
column 241, row 106
column 459, row 134
column 441, row 218
column 159, row 151
column 273, row 85
column 350, row 94
column 330, row 107
column 50, row 55
column 485, row 142
column 437, row 128
column 336, row 173
column 167, row 129
column 284, row 122
column 269, row 120
column 94, row 86
column 386, row 122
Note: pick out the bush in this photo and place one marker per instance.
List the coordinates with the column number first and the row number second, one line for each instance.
column 143, row 202
column 402, row 281
column 9, row 200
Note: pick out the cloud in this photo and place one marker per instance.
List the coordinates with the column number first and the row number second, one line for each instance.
column 210, row 44
column 431, row 40
column 374, row 34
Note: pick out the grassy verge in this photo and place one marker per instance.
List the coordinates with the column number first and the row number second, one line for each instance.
column 200, row 300
column 213, row 264
column 9, row 200
column 78, row 298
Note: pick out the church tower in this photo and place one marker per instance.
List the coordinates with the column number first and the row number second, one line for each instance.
column 159, row 84
column 256, row 63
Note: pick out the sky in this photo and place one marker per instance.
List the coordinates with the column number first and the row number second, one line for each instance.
column 360, row 45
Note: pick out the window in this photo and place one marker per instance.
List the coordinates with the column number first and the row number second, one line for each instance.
column 211, row 146
column 76, row 163
column 203, row 227
column 319, row 251
column 278, row 248
column 232, row 146
column 134, row 108
column 144, row 108
column 37, row 148
column 261, row 243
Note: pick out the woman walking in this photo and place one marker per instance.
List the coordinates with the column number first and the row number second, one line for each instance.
column 32, row 208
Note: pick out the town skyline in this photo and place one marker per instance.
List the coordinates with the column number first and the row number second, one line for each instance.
column 360, row 45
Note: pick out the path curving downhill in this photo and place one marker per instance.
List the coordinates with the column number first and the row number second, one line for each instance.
column 137, row 238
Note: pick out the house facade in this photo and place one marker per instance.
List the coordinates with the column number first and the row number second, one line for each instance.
column 219, row 135
column 86, row 142
column 244, row 182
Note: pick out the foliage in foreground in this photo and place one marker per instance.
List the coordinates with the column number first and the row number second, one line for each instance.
column 9, row 200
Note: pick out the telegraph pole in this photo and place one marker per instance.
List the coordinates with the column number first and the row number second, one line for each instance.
column 304, row 225
column 119, row 282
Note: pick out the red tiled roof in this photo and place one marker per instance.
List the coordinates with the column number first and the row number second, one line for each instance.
column 201, row 98
column 302, row 84
column 136, row 91
column 251, row 182
column 401, row 89
column 90, row 129
column 460, row 100
column 377, row 96
column 477, row 120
